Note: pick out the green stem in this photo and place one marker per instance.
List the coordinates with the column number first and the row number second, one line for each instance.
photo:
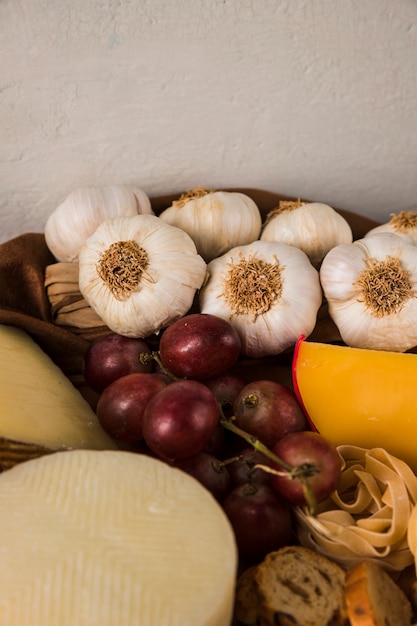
column 309, row 496
column 300, row 472
column 154, row 356
column 255, row 443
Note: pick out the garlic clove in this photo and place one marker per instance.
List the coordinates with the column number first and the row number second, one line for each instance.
column 75, row 219
column 403, row 224
column 139, row 274
column 268, row 291
column 370, row 287
column 215, row 220
column 313, row 227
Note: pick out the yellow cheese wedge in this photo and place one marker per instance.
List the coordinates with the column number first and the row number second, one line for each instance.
column 40, row 409
column 112, row 538
column 359, row 397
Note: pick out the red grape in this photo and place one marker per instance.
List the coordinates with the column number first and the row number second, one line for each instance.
column 268, row 410
column 113, row 356
column 180, row 420
column 301, row 448
column 209, row 471
column 199, row 345
column 215, row 445
column 225, row 388
column 121, row 406
column 261, row 520
column 241, row 470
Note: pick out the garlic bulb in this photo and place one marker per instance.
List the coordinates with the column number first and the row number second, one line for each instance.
column 75, row 219
column 216, row 220
column 139, row 274
column 371, row 287
column 268, row 291
column 313, row 227
column 403, row 224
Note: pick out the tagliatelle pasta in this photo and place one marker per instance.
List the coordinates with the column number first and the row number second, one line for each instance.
column 412, row 534
column 369, row 515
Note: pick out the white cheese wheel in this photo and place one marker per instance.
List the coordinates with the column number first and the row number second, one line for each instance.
column 39, row 406
column 112, row 538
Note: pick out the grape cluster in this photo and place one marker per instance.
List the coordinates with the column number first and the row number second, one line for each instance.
column 247, row 442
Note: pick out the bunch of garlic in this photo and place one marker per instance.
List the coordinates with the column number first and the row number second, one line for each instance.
column 268, row 291
column 371, row 289
column 74, row 220
column 139, row 274
column 215, row 220
column 403, row 224
column 313, row 227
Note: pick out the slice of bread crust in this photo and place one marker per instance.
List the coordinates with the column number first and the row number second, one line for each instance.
column 293, row 586
column 246, row 599
column 374, row 599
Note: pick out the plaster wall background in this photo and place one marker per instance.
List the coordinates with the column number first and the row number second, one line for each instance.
column 311, row 98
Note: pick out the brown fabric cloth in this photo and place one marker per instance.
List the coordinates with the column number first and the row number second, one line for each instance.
column 24, row 303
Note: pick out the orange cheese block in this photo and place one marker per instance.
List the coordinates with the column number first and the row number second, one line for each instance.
column 112, row 538
column 359, row 397
column 374, row 599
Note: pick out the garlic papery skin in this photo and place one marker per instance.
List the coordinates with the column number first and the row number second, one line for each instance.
column 313, row 227
column 403, row 224
column 215, row 220
column 139, row 274
column 268, row 291
column 371, row 288
column 74, row 220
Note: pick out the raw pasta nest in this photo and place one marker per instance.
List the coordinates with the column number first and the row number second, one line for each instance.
column 369, row 515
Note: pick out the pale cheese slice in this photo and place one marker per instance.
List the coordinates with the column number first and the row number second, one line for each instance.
column 112, row 538
column 39, row 405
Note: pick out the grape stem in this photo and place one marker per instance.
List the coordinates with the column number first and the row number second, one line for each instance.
column 254, row 442
column 302, row 472
column 144, row 358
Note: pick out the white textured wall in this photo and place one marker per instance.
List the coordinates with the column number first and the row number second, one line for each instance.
column 316, row 98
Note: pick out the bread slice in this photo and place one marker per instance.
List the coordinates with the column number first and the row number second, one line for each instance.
column 293, row 586
column 246, row 599
column 374, row 599
column 407, row 581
